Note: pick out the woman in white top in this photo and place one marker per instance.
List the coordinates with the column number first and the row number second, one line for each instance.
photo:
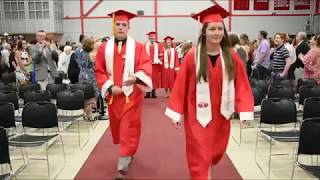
column 23, row 60
column 64, row 59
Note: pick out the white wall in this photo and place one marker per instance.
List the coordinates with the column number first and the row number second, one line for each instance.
column 182, row 28
column 272, row 25
column 71, row 29
column 108, row 6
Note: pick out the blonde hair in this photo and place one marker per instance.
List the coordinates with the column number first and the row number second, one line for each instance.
column 87, row 44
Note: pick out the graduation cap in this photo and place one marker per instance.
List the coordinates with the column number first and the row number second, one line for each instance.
column 215, row 13
column 151, row 34
column 122, row 15
column 168, row 37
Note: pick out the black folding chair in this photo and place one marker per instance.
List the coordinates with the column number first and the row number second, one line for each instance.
column 306, row 82
column 70, row 101
column 10, row 96
column 41, row 116
column 258, row 97
column 284, row 82
column 309, row 145
column 7, row 119
column 53, row 89
column 282, row 92
column 8, row 87
column 277, row 112
column 5, row 156
column 36, row 96
column 28, row 87
column 261, row 84
column 8, row 78
column 311, row 108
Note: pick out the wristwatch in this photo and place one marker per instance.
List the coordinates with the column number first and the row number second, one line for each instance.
column 110, row 90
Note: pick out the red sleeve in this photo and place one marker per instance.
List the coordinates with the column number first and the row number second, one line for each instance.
column 102, row 76
column 177, row 99
column 144, row 68
column 244, row 100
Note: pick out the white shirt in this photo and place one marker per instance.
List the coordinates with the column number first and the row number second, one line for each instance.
column 5, row 57
column 63, row 62
column 292, row 52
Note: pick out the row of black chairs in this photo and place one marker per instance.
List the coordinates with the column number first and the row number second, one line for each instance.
column 264, row 84
column 45, row 118
column 277, row 112
column 67, row 100
column 32, row 93
column 284, row 92
column 8, row 77
column 52, row 89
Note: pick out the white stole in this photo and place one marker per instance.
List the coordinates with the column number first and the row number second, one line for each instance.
column 155, row 54
column 166, row 60
column 129, row 61
column 203, row 101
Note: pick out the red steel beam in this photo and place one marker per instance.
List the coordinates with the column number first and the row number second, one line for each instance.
column 145, row 16
column 230, row 17
column 156, row 18
column 248, row 15
column 81, row 17
column 185, row 16
column 93, row 8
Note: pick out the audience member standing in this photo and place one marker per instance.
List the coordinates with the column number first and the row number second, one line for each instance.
column 311, row 60
column 45, row 66
column 262, row 56
column 302, row 47
column 281, row 58
column 293, row 57
column 22, row 60
column 87, row 75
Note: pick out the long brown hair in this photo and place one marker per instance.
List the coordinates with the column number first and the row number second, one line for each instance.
column 225, row 46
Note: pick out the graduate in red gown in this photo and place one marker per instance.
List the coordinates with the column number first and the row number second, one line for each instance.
column 211, row 85
column 155, row 52
column 170, row 65
column 123, row 71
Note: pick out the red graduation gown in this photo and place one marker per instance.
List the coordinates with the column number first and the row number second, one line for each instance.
column 168, row 74
column 156, row 68
column 206, row 146
column 125, row 118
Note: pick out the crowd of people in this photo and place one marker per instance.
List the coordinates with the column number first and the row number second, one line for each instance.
column 277, row 57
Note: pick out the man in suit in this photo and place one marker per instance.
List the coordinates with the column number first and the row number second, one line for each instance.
column 45, row 66
column 302, row 47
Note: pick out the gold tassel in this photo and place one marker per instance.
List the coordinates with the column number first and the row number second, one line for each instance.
column 127, row 99
column 111, row 99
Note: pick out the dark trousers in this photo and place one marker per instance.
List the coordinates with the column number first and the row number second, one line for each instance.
column 100, row 105
column 260, row 72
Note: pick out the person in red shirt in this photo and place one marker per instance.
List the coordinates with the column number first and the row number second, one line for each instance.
column 170, row 65
column 155, row 52
column 123, row 72
column 211, row 85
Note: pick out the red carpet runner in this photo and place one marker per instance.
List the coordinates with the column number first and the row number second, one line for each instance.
column 161, row 154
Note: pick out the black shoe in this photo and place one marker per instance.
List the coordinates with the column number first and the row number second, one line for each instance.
column 153, row 94
column 147, row 95
column 102, row 117
column 121, row 175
